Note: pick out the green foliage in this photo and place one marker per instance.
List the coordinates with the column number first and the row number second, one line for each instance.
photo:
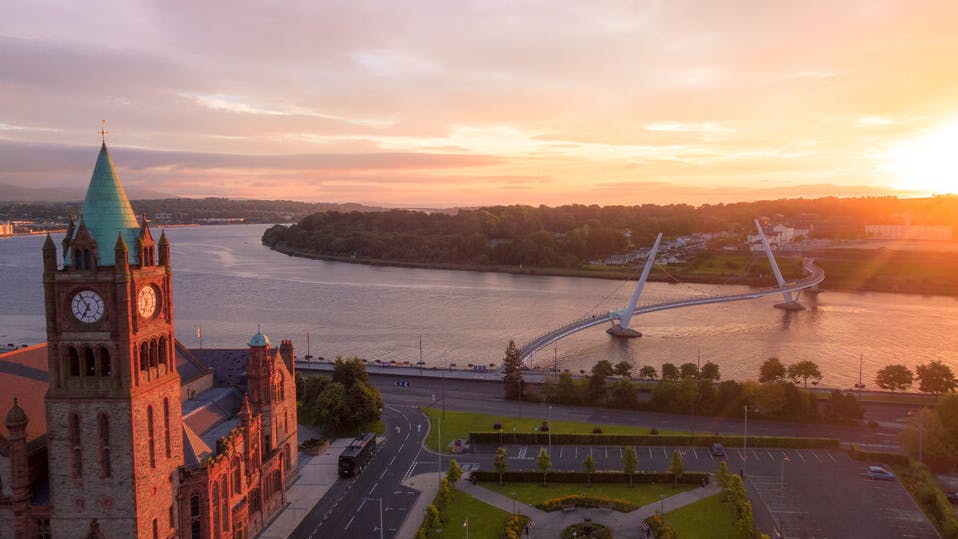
column 544, row 464
column 623, row 369
column 588, row 464
column 803, row 370
column 772, row 370
column 935, row 377
column 921, row 484
column 939, row 430
column 512, row 372
column 676, row 467
column 894, row 377
column 566, row 438
column 583, row 500
column 501, row 463
column 722, row 475
column 454, row 473
column 669, row 372
column 659, row 527
column 599, row 477
column 689, row 371
column 592, row 530
column 842, row 408
column 624, row 395
column 630, row 463
column 567, row 390
column 648, row 372
column 349, row 372
column 344, row 404
column 710, row 372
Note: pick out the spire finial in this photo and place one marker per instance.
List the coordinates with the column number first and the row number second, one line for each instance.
column 103, row 132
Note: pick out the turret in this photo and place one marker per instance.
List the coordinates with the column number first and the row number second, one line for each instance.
column 259, row 368
column 145, row 246
column 19, row 472
column 71, row 229
column 120, row 254
column 286, row 352
column 83, row 249
column 164, row 250
column 49, row 255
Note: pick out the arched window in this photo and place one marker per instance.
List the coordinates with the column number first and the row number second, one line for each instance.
column 162, row 353
column 106, row 369
column 286, row 421
column 89, row 362
column 76, row 454
column 74, row 360
column 195, row 527
column 103, row 432
column 149, row 427
column 235, row 470
column 152, row 354
column 166, row 425
column 87, row 259
column 286, row 461
column 215, row 504
column 225, row 499
column 277, row 481
column 144, row 356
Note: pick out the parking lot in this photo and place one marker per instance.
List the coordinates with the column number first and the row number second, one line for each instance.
column 806, row 492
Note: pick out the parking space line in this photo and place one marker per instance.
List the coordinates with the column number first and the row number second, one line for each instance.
column 816, row 456
column 756, row 456
column 664, row 454
column 576, row 451
column 590, row 451
column 607, row 453
column 830, row 456
column 770, row 455
column 621, row 453
column 694, row 452
column 740, row 455
column 799, row 453
column 650, row 454
column 561, row 451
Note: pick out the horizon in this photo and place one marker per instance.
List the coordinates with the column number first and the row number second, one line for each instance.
column 465, row 104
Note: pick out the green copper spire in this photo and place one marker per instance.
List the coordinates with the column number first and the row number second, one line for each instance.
column 107, row 211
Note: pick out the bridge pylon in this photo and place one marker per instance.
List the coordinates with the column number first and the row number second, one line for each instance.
column 624, row 316
column 791, row 302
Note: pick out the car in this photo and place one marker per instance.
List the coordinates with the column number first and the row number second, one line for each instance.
column 717, row 450
column 877, row 472
column 952, row 497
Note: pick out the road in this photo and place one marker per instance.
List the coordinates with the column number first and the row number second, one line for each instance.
column 351, row 506
column 486, row 397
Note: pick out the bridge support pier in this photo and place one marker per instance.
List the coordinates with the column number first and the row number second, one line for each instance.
column 622, row 329
column 622, row 332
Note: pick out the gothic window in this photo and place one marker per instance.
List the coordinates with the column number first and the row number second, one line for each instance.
column 255, row 504
column 235, row 470
column 76, row 460
column 74, row 360
column 106, row 369
column 87, row 259
column 156, row 529
column 162, row 353
column 225, row 501
column 144, row 356
column 103, row 431
column 195, row 528
column 166, row 425
column 89, row 362
column 152, row 354
column 277, row 481
column 149, row 426
column 216, row 512
column 286, row 421
column 286, row 461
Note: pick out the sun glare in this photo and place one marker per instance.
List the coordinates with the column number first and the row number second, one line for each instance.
column 927, row 164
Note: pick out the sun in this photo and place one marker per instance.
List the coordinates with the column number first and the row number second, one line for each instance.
column 927, row 164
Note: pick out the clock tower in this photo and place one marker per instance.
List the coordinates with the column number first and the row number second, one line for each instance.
column 113, row 408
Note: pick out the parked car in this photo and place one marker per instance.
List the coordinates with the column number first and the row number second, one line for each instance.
column 717, row 450
column 877, row 472
column 952, row 497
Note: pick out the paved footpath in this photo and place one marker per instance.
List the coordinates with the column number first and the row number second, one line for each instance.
column 548, row 524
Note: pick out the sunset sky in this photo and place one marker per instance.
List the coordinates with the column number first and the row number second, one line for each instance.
column 445, row 102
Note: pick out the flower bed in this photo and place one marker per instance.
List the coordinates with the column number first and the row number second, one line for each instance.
column 581, row 500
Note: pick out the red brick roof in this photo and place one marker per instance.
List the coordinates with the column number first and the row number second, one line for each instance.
column 24, row 375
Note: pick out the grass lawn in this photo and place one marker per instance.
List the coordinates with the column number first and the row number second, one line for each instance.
column 485, row 521
column 708, row 519
column 533, row 493
column 460, row 424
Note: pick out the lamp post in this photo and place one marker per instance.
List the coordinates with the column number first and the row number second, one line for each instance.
column 444, row 392
column 550, row 430
column 380, row 514
column 439, row 453
column 782, row 483
column 921, row 433
column 745, row 445
column 662, row 507
column 420, row 355
column 513, row 503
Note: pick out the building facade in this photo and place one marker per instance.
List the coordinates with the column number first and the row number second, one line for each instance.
column 129, row 451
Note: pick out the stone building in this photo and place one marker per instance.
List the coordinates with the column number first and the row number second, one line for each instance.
column 112, row 427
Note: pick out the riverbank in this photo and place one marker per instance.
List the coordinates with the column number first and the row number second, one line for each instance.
column 846, row 270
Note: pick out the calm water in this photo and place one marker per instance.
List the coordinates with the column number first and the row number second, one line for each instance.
column 227, row 282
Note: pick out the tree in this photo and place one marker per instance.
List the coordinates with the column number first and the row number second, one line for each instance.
column 630, row 463
column 501, row 463
column 689, row 371
column 567, row 391
column 624, row 395
column 443, row 495
column 544, row 463
column 935, row 377
column 804, row 370
column 597, row 386
column 676, row 468
column 623, row 369
column 670, row 371
column 589, row 466
column 333, row 410
column 841, row 408
column 454, row 473
column 349, row 372
column 771, row 370
column 894, row 377
column 722, row 474
column 710, row 372
column 432, row 521
column 512, row 377
column 648, row 372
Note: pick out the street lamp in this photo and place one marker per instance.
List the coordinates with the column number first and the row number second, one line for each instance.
column 550, row 430
column 662, row 507
column 745, row 445
column 513, row 502
column 380, row 514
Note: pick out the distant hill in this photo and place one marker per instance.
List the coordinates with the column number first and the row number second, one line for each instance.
column 15, row 193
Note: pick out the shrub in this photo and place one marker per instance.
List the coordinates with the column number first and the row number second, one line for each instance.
column 544, row 427
column 492, row 438
column 894, row 459
column 497, row 425
column 596, row 430
column 587, row 529
column 581, row 500
column 530, row 476
column 654, row 431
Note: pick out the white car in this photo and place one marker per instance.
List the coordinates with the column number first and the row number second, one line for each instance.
column 877, row 472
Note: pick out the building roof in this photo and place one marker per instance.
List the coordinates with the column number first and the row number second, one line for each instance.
column 107, row 212
column 259, row 339
column 207, row 417
column 24, row 376
column 188, row 367
column 228, row 364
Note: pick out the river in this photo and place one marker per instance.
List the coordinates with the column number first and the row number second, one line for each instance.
column 228, row 283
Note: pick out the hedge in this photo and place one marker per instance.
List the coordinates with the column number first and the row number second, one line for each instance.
column 895, row 459
column 559, row 476
column 581, row 500
column 794, row 442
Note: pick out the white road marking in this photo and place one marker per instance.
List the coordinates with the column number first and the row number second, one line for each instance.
column 694, row 452
column 756, row 455
column 350, row 522
column 817, row 457
column 799, row 453
column 650, row 453
column 830, row 456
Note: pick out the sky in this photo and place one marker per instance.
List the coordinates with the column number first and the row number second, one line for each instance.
column 446, row 102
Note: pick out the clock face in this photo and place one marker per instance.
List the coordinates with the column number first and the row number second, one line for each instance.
column 146, row 301
column 87, row 306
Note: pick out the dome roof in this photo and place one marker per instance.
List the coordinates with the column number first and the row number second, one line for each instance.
column 259, row 339
column 16, row 417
